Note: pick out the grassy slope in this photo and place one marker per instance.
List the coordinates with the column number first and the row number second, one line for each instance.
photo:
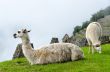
column 92, row 63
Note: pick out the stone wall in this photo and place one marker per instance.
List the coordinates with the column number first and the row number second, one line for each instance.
column 105, row 23
column 80, row 40
column 54, row 40
column 18, row 52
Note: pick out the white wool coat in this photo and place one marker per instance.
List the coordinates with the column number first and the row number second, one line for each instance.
column 93, row 32
column 57, row 52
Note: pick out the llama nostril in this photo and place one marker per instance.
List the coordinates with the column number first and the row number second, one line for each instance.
column 14, row 35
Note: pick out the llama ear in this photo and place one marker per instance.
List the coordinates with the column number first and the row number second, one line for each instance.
column 28, row 30
column 24, row 31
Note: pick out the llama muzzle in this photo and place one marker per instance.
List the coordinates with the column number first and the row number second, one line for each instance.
column 14, row 35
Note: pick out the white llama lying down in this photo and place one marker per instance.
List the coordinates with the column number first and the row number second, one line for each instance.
column 93, row 32
column 58, row 52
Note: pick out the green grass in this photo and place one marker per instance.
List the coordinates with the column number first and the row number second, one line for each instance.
column 92, row 63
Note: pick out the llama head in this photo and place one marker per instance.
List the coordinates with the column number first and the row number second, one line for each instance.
column 21, row 33
column 97, row 46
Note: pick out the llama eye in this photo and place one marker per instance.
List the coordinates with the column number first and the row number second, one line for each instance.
column 97, row 45
column 18, row 31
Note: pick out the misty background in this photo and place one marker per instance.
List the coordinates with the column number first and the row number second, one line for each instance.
column 45, row 19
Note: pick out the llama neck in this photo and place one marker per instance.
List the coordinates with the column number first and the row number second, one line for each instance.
column 26, row 42
column 27, row 48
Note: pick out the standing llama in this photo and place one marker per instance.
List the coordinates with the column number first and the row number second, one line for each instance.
column 53, row 53
column 93, row 32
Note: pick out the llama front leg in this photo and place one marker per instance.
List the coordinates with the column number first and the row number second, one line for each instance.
column 92, row 49
column 31, row 63
column 42, row 60
column 100, row 51
column 89, row 49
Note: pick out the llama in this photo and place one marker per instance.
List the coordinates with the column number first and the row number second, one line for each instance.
column 52, row 53
column 93, row 32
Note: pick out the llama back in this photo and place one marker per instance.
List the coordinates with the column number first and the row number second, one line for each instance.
column 58, row 52
column 93, row 31
column 54, row 53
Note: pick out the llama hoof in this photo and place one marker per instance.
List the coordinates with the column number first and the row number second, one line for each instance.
column 100, row 52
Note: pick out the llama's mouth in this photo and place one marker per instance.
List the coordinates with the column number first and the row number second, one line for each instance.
column 14, row 35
